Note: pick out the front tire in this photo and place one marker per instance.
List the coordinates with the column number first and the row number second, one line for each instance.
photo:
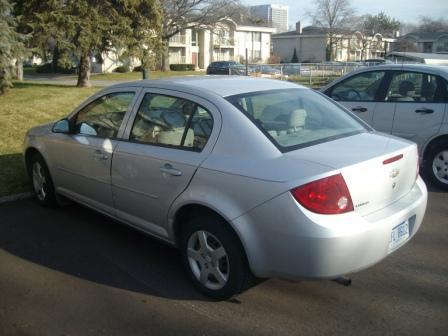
column 214, row 257
column 42, row 182
column 437, row 165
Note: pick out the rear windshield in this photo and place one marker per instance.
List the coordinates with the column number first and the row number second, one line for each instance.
column 295, row 118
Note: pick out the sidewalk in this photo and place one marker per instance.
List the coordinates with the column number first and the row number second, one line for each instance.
column 68, row 80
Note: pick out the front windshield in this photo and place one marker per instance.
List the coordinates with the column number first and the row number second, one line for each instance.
column 295, row 118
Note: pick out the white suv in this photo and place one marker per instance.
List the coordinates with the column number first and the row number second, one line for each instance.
column 409, row 101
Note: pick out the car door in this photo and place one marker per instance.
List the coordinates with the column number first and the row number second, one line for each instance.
column 83, row 157
column 419, row 105
column 168, row 138
column 359, row 93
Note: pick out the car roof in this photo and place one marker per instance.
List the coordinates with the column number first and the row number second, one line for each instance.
column 222, row 86
column 440, row 69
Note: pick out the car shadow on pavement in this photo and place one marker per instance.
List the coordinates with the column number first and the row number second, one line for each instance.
column 84, row 244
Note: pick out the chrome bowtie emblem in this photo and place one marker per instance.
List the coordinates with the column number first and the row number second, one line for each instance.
column 394, row 173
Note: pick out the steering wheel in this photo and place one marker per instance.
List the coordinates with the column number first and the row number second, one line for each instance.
column 356, row 92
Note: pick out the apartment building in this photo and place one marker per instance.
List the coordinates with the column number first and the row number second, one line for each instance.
column 312, row 44
column 226, row 41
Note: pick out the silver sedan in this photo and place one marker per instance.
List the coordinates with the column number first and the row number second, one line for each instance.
column 406, row 100
column 246, row 176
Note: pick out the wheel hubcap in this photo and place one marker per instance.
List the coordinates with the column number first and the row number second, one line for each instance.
column 208, row 260
column 440, row 166
column 39, row 181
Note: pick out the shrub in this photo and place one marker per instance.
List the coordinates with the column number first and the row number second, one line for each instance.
column 182, row 67
column 122, row 69
column 48, row 68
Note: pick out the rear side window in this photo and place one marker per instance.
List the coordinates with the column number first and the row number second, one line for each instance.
column 295, row 118
column 173, row 122
column 415, row 87
column 361, row 87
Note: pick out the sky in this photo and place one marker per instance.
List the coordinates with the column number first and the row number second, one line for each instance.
column 404, row 10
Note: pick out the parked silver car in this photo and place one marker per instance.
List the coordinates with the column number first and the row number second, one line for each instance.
column 409, row 101
column 244, row 175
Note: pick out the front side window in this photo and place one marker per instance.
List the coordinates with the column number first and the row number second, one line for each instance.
column 413, row 87
column 295, row 118
column 103, row 116
column 173, row 122
column 361, row 87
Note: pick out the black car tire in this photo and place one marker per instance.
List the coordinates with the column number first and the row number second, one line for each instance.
column 42, row 182
column 436, row 162
column 233, row 265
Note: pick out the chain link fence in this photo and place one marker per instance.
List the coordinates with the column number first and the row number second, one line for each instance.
column 314, row 75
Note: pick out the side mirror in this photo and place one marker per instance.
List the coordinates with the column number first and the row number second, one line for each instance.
column 61, row 126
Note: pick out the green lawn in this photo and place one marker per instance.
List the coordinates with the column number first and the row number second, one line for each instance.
column 25, row 106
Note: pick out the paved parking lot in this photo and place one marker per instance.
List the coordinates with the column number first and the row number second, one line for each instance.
column 71, row 271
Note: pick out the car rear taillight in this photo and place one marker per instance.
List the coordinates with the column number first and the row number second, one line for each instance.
column 328, row 196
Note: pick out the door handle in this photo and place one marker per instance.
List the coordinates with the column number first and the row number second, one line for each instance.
column 100, row 155
column 168, row 169
column 359, row 109
column 424, row 110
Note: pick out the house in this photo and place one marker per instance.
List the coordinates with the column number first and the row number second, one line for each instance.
column 312, row 44
column 423, row 42
column 226, row 41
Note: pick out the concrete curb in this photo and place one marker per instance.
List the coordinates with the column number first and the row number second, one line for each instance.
column 15, row 197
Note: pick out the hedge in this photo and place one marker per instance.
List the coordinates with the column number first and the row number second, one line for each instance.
column 182, row 67
column 122, row 69
column 48, row 68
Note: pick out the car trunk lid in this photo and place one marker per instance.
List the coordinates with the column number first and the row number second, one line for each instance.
column 378, row 170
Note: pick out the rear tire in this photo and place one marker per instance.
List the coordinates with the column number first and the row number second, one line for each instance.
column 213, row 257
column 42, row 182
column 436, row 165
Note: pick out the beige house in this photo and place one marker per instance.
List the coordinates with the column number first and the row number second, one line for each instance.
column 226, row 41
column 312, row 44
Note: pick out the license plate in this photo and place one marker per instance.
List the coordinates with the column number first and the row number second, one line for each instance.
column 399, row 234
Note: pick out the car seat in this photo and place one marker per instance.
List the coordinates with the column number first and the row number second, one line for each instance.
column 406, row 89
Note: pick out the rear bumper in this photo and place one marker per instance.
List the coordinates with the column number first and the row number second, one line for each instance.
column 284, row 240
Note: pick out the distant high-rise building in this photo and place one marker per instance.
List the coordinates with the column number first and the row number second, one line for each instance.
column 275, row 16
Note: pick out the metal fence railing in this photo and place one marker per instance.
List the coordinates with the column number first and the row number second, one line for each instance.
column 309, row 74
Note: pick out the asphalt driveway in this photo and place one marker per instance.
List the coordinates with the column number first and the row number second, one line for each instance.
column 71, row 271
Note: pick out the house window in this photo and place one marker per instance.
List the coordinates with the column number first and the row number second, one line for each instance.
column 194, row 37
column 442, row 44
column 427, row 47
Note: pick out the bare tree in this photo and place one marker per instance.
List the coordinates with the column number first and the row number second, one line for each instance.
column 427, row 24
column 180, row 15
column 333, row 16
column 370, row 29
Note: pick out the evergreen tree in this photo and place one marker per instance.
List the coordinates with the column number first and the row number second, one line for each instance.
column 84, row 28
column 144, row 39
column 294, row 58
column 11, row 45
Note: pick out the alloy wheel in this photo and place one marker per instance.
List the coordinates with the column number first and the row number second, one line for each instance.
column 208, row 260
column 39, row 181
column 440, row 166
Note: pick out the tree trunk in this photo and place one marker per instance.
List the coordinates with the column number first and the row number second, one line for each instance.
column 54, row 62
column 19, row 70
column 84, row 71
column 165, row 57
